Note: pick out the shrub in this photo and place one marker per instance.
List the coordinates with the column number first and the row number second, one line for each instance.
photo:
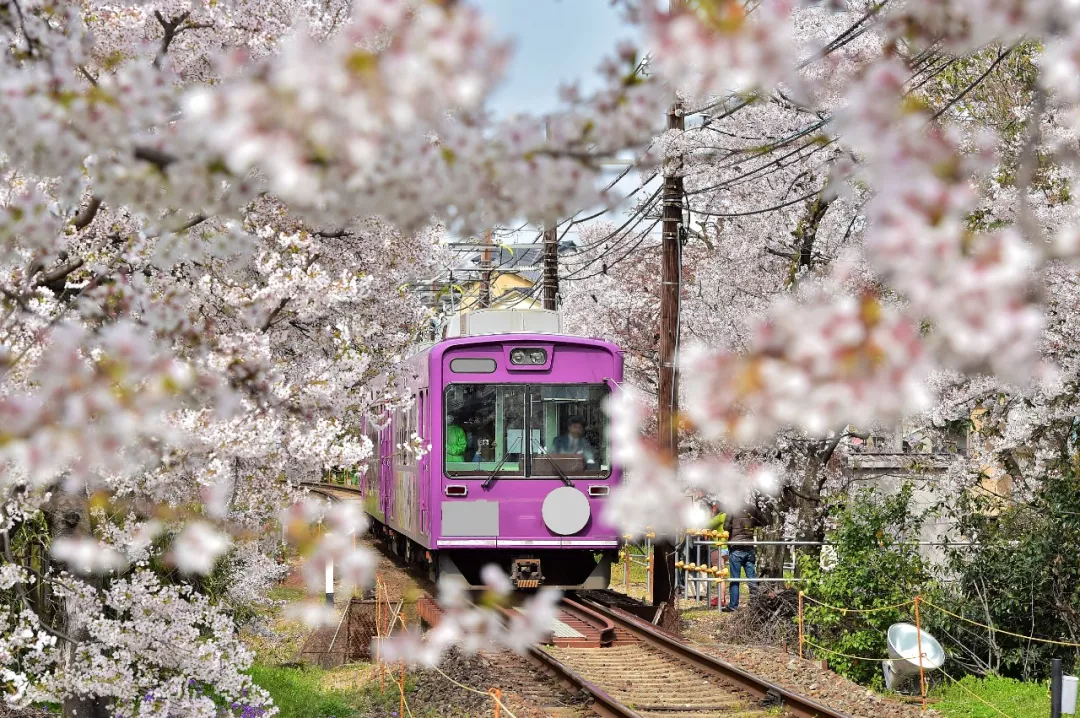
column 877, row 565
column 1022, row 574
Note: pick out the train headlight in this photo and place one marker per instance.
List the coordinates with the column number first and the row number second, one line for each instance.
column 525, row 357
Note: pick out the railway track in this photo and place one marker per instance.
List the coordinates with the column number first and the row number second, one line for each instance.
column 649, row 673
column 632, row 669
column 339, row 493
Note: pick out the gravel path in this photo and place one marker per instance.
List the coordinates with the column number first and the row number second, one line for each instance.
column 791, row 672
column 526, row 692
column 722, row 635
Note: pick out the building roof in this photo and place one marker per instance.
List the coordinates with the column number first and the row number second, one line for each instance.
column 524, row 262
column 527, row 263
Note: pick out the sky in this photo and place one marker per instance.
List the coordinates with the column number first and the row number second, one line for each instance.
column 555, row 42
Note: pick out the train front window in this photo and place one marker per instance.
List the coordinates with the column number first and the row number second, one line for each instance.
column 570, row 426
column 485, row 429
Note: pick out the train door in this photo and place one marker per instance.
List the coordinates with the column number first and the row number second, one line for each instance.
column 386, row 465
column 423, row 471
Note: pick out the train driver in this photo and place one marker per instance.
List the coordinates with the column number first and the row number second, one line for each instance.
column 574, row 442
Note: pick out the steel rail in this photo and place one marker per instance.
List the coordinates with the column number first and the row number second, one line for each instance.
column 328, row 489
column 795, row 703
column 604, row 625
column 604, row 705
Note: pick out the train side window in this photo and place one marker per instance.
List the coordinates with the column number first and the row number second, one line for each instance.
column 404, row 428
column 411, row 428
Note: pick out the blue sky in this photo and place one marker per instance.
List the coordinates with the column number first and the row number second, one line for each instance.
column 555, row 41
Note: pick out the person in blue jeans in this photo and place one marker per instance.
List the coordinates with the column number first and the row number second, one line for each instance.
column 740, row 560
column 740, row 525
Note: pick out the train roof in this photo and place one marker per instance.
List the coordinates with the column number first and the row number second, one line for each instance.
column 532, row 338
column 488, row 325
column 427, row 347
column 485, row 322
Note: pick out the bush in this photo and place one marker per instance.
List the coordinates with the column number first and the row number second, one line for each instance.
column 877, row 565
column 1021, row 575
column 310, row 692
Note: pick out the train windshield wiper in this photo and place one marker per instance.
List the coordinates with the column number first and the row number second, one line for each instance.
column 563, row 476
column 495, row 472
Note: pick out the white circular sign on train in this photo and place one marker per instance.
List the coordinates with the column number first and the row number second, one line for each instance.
column 566, row 510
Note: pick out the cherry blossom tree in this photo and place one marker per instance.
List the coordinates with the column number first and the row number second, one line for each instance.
column 208, row 209
column 783, row 198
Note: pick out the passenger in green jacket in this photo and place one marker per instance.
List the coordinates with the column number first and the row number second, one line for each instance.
column 456, row 441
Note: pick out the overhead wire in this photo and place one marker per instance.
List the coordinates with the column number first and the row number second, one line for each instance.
column 763, row 210
column 774, row 163
column 974, row 83
column 627, row 237
column 833, row 45
column 625, row 234
column 640, row 213
column 609, row 265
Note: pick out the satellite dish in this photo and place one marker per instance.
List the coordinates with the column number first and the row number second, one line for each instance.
column 904, row 640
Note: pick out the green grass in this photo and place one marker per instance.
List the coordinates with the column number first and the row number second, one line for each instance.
column 285, row 593
column 638, row 568
column 303, row 692
column 298, row 692
column 1014, row 698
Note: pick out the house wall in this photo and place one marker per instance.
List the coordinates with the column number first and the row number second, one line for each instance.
column 501, row 293
column 886, row 460
column 887, row 473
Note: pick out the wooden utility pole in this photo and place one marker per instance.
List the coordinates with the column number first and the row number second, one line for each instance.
column 551, row 265
column 668, row 385
column 485, row 283
column 551, row 256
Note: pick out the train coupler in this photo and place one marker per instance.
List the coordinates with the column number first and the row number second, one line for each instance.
column 525, row 573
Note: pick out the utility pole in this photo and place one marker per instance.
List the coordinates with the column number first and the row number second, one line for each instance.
column 668, row 384
column 551, row 257
column 551, row 266
column 485, row 284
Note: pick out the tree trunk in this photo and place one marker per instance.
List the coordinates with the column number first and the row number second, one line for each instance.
column 807, row 520
column 770, row 559
column 68, row 517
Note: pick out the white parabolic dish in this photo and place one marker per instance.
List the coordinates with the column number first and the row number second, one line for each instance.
column 566, row 510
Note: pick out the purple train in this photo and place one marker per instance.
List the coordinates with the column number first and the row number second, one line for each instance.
column 519, row 466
